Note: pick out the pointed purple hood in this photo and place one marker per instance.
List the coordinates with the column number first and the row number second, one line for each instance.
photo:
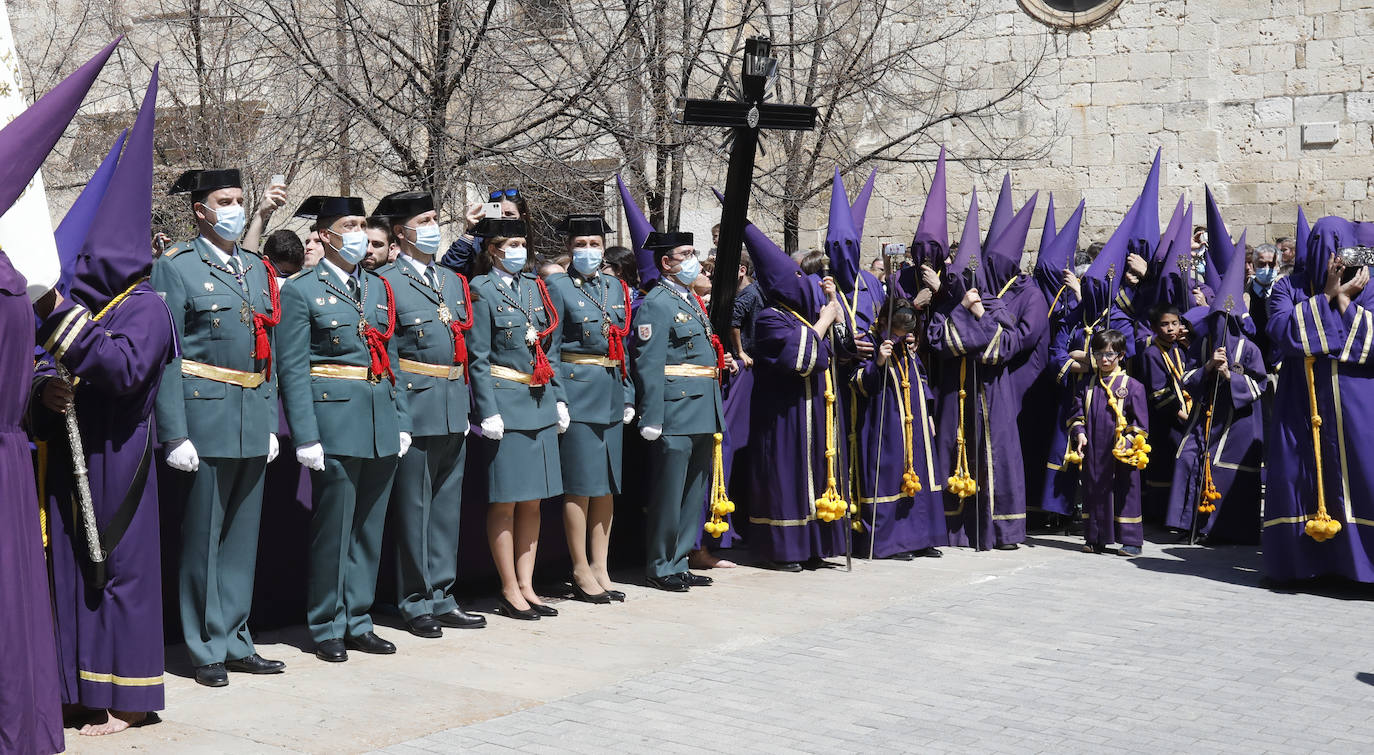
column 119, row 250
column 71, row 232
column 966, row 257
column 1057, row 256
column 1002, row 257
column 1102, row 280
column 1219, row 246
column 931, row 242
column 1300, row 236
column 780, row 277
column 640, row 228
column 1047, row 234
column 1144, row 233
column 844, row 232
column 1230, row 298
column 26, row 141
column 1174, row 262
column 1001, row 213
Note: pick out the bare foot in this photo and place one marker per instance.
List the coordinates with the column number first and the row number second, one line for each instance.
column 117, row 721
column 77, row 716
column 703, row 559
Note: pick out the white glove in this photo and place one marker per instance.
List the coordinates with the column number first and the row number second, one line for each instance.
column 311, row 456
column 184, row 457
column 405, row 444
column 651, row 432
column 629, row 413
column 273, row 447
column 493, row 427
column 563, row 419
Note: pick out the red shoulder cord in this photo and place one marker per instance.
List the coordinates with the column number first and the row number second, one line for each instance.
column 615, row 347
column 377, row 340
column 715, row 339
column 262, row 345
column 460, row 344
column 543, row 371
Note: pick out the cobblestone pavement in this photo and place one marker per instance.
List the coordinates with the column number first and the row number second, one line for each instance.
column 1043, row 650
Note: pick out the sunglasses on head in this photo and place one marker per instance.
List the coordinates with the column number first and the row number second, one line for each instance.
column 511, row 194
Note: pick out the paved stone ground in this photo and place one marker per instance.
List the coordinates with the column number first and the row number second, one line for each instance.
column 1040, row 650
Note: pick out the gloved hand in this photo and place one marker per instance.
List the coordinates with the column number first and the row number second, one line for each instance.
column 183, row 457
column 563, row 419
column 311, row 456
column 651, row 432
column 493, row 427
column 629, row 413
column 273, row 447
column 405, row 444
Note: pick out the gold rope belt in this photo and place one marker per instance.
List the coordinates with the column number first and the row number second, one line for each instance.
column 506, row 373
column 223, row 374
column 689, row 370
column 340, row 371
column 596, row 359
column 444, row 372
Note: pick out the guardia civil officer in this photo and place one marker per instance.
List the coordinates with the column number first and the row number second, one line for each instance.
column 594, row 314
column 216, row 416
column 337, row 360
column 677, row 364
column 514, row 350
column 433, row 315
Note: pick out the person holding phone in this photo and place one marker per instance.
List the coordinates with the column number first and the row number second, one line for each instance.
column 462, row 255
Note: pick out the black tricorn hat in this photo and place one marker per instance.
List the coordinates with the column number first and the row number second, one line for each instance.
column 198, row 181
column 668, row 240
column 506, row 228
column 403, row 204
column 584, row 225
column 330, row 207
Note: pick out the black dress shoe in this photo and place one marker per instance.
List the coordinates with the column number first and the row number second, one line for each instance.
column 670, row 583
column 931, row 552
column 505, row 608
column 903, row 556
column 255, row 664
column 616, row 595
column 1007, row 547
column 369, row 642
column 695, row 580
column 543, row 610
column 425, row 626
column 460, row 619
column 332, row 651
column 602, row 597
column 212, row 675
column 791, row 567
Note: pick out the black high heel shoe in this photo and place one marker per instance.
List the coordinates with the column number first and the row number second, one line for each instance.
column 586, row 597
column 616, row 595
column 505, row 608
column 543, row 610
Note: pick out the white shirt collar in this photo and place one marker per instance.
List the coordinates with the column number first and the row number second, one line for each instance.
column 503, row 275
column 336, row 270
column 419, row 266
column 219, row 253
column 672, row 284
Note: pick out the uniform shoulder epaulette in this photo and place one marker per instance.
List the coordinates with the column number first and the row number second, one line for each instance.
column 176, row 249
column 300, row 272
column 251, row 253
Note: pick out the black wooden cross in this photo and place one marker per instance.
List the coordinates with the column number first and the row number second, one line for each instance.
column 745, row 116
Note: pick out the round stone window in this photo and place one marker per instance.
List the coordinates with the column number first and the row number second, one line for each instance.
column 1068, row 14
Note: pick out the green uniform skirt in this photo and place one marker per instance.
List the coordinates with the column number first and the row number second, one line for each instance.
column 591, row 459
column 524, row 466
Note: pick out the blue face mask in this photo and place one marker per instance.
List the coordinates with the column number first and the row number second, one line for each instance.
column 229, row 222
column 587, row 260
column 428, row 239
column 354, row 247
column 514, row 259
column 1264, row 276
column 691, row 269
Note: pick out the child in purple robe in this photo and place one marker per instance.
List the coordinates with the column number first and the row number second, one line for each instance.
column 1163, row 363
column 1109, row 426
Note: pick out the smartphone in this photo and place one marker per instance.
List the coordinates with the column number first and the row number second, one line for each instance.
column 894, row 249
column 492, row 210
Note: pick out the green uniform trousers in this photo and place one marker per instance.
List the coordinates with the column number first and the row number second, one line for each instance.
column 425, row 507
column 219, row 554
column 350, row 498
column 680, row 477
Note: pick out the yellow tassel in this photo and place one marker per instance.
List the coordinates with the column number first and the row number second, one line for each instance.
column 831, row 505
column 961, row 483
column 1321, row 527
column 721, row 505
column 911, row 483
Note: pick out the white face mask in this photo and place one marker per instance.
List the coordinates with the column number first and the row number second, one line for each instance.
column 428, row 239
column 587, row 260
column 229, row 222
column 514, row 259
column 691, row 268
column 354, row 246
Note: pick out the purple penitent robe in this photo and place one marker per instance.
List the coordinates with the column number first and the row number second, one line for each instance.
column 788, row 426
column 888, row 396
column 1110, row 487
column 1162, row 367
column 109, row 639
column 30, row 704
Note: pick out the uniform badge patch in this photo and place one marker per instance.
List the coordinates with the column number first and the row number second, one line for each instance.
column 645, row 332
column 209, row 286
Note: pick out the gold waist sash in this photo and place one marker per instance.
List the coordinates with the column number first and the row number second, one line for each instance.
column 223, row 374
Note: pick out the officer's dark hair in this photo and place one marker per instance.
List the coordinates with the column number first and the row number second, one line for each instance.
column 1160, row 310
column 482, row 264
column 284, row 248
column 1108, row 339
column 380, row 224
column 622, row 260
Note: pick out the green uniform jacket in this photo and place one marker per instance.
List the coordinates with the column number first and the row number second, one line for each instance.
column 595, row 394
column 319, row 325
column 215, row 326
column 437, row 406
column 498, row 338
column 671, row 330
